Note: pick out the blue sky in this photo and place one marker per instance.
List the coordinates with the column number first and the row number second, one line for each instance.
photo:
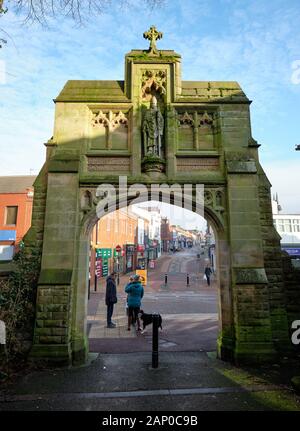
column 255, row 42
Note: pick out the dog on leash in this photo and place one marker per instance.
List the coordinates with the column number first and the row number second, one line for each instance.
column 147, row 319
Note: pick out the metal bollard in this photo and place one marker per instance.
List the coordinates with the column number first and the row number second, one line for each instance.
column 155, row 340
column 166, row 278
column 89, row 289
column 187, row 280
column 96, row 282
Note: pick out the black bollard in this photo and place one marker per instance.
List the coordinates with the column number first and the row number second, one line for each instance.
column 187, row 280
column 89, row 289
column 96, row 281
column 166, row 279
column 155, row 340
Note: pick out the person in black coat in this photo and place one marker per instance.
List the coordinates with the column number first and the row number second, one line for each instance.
column 110, row 298
column 208, row 273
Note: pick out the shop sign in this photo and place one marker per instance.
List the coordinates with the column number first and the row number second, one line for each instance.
column 105, row 253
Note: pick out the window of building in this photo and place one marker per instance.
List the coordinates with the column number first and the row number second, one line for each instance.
column 11, row 215
column 296, row 225
column 288, row 225
column 280, row 225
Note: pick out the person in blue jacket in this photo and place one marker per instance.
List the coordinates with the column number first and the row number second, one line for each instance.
column 135, row 293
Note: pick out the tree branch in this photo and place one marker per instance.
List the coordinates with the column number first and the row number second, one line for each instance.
column 79, row 10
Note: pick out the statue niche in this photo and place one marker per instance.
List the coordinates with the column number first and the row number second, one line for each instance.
column 153, row 130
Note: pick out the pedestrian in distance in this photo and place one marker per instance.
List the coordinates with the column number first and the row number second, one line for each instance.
column 135, row 293
column 110, row 298
column 208, row 273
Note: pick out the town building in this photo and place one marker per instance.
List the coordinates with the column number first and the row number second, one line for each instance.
column 166, row 235
column 151, row 217
column 135, row 230
column 16, row 198
column 288, row 227
column 118, row 228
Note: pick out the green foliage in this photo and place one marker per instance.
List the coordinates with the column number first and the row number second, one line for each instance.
column 17, row 304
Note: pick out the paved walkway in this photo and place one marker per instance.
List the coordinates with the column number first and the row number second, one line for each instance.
column 190, row 319
column 191, row 381
column 189, row 377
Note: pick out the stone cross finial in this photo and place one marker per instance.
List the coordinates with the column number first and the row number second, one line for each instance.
column 152, row 34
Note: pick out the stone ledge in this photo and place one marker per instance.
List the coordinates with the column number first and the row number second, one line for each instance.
column 55, row 276
column 52, row 353
column 250, row 276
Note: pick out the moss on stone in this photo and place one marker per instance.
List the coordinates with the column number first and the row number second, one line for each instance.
column 277, row 400
column 296, row 383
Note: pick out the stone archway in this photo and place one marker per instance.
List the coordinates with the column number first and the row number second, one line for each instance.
column 206, row 139
column 226, row 328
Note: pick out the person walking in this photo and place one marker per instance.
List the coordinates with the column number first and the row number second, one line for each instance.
column 207, row 273
column 110, row 298
column 135, row 293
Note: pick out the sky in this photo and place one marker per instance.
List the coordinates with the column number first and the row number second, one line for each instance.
column 254, row 42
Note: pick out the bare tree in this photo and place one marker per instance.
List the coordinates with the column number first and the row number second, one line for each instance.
column 40, row 11
column 79, row 10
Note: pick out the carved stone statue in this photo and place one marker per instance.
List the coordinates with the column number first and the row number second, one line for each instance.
column 153, row 128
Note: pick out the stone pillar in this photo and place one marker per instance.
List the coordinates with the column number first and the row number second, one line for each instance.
column 251, row 306
column 52, row 335
column 274, row 271
column 226, row 337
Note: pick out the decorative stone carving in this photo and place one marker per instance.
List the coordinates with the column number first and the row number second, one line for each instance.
column 86, row 201
column 154, row 81
column 206, row 119
column 214, row 199
column 185, row 119
column 219, row 199
column 153, row 35
column 109, row 119
column 153, row 128
column 208, row 198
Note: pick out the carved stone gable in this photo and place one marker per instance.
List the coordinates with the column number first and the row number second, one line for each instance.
column 153, row 81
